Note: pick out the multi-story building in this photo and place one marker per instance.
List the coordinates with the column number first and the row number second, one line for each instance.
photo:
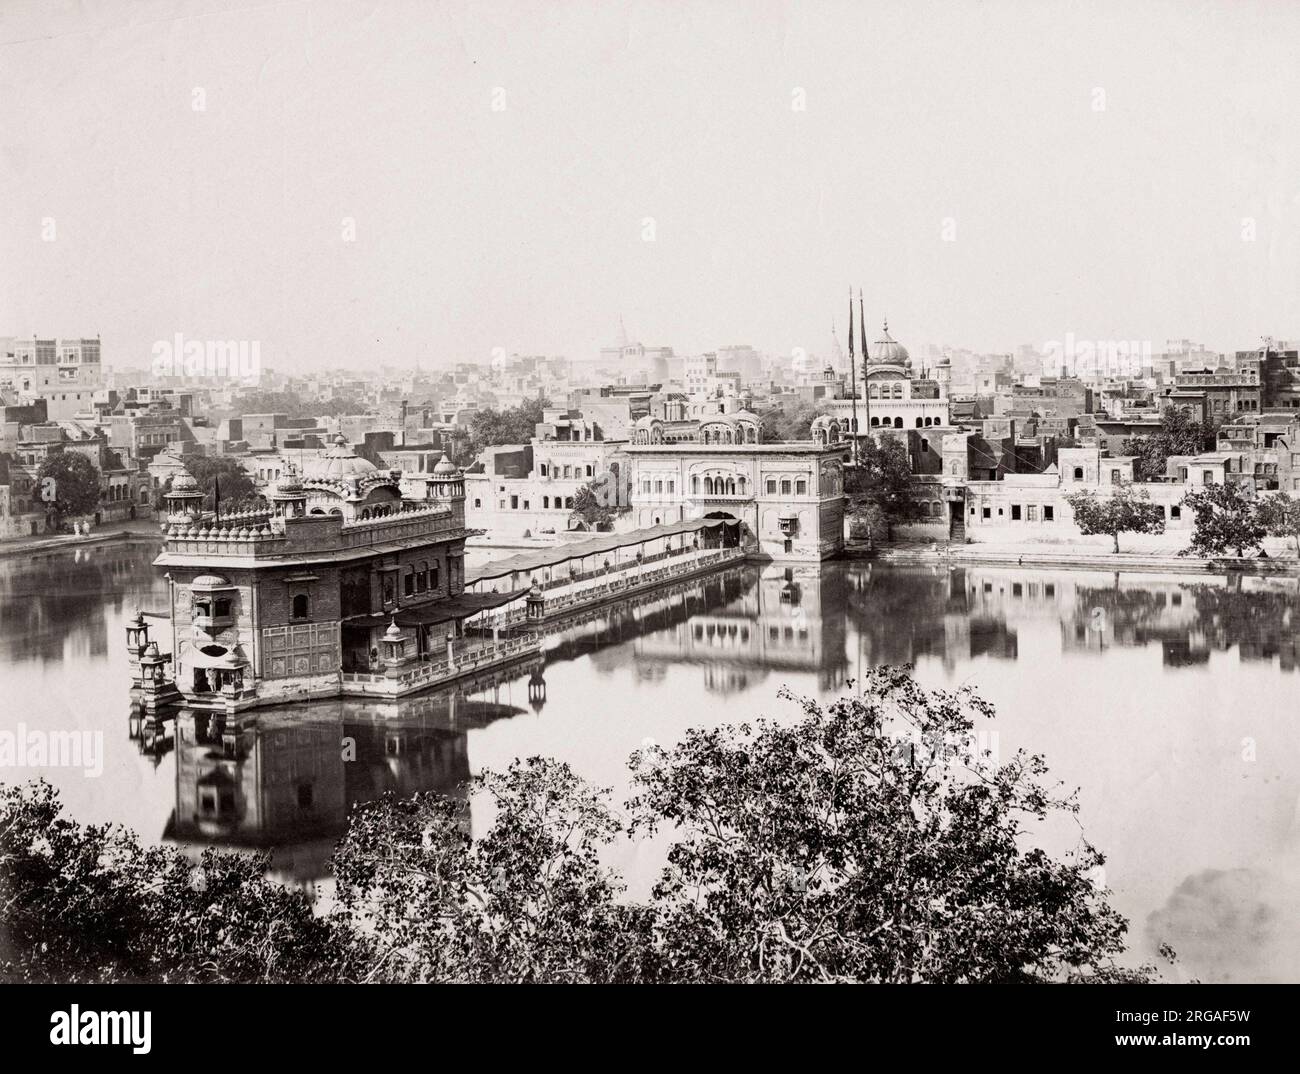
column 889, row 396
column 44, row 366
column 340, row 586
column 784, row 501
column 517, row 489
column 1228, row 393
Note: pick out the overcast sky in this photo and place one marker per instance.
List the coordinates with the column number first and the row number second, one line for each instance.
column 1096, row 165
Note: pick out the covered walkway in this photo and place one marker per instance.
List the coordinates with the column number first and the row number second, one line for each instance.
column 517, row 571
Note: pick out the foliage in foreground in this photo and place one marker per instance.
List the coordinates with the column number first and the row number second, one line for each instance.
column 865, row 842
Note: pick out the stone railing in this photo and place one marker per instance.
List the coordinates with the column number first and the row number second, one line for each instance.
column 625, row 579
column 224, row 539
column 429, row 673
column 418, row 522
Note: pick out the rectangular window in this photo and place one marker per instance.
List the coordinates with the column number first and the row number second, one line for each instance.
column 988, row 513
column 801, row 488
column 408, row 583
column 785, row 488
column 771, row 486
column 1015, row 512
column 1048, row 513
column 514, row 503
column 1033, row 512
column 1207, row 477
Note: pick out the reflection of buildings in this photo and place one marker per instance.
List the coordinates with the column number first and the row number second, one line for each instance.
column 785, row 618
column 901, row 615
column 1097, row 611
column 54, row 606
column 904, row 613
column 288, row 777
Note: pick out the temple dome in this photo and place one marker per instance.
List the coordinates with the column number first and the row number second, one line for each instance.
column 340, row 461
column 888, row 351
column 445, row 467
column 184, row 483
column 287, row 487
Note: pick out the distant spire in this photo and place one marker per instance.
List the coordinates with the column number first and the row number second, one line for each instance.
column 622, row 333
column 836, row 350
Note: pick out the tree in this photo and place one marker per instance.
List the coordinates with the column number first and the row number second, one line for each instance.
column 1226, row 516
column 1279, row 514
column 68, row 484
column 870, row 841
column 89, row 903
column 880, row 490
column 790, row 423
column 1125, row 510
column 221, row 471
column 589, row 506
column 490, row 427
column 527, row 902
column 1179, row 434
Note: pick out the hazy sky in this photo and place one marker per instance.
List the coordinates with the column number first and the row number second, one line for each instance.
column 500, row 162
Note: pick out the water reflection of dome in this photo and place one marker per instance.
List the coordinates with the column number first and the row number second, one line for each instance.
column 338, row 462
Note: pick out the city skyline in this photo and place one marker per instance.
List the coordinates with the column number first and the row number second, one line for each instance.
column 400, row 183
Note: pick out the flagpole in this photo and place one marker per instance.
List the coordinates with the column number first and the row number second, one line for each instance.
column 853, row 381
column 866, row 390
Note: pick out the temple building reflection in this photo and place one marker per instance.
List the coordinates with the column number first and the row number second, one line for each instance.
column 287, row 777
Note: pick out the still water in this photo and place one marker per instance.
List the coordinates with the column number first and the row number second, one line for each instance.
column 1170, row 701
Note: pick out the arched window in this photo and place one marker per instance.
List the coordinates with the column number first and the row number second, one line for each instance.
column 695, row 485
column 740, row 485
column 365, row 512
column 708, row 486
column 918, row 423
column 875, row 422
column 898, row 389
column 408, row 582
column 1078, row 473
column 898, row 423
column 731, row 487
column 300, row 606
column 873, row 391
column 422, row 577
